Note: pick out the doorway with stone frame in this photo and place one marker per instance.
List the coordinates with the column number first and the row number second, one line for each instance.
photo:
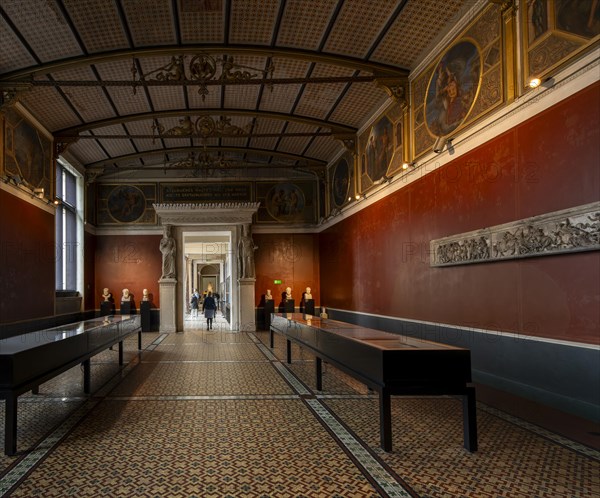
column 188, row 222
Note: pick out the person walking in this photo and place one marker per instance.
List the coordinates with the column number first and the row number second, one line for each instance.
column 209, row 308
column 194, row 304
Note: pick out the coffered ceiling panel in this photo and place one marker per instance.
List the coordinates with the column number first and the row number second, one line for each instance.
column 300, row 30
column 89, row 151
column 201, row 22
column 422, row 20
column 150, row 22
column 101, row 32
column 43, row 27
column 358, row 25
column 13, row 54
column 49, row 106
column 272, row 81
column 253, row 21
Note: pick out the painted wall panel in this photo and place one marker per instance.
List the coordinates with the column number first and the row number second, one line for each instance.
column 128, row 261
column 377, row 261
column 27, row 253
column 291, row 258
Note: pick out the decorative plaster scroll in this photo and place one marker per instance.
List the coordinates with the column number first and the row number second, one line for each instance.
column 225, row 213
column 570, row 230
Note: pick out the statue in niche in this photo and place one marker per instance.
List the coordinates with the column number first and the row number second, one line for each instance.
column 246, row 250
column 168, row 248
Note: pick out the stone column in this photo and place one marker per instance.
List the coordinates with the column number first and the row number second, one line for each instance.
column 247, row 321
column 168, row 288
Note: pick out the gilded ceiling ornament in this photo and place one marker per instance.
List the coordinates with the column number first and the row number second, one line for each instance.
column 203, row 127
column 397, row 89
column 202, row 69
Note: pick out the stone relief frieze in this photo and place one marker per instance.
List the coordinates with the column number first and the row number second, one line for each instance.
column 570, row 230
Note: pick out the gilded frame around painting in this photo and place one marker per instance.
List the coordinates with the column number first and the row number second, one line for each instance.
column 123, row 204
column 286, row 202
column 27, row 153
column 463, row 84
column 554, row 31
column 341, row 182
column 382, row 148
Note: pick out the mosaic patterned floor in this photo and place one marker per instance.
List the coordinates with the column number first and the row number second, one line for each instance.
column 218, row 414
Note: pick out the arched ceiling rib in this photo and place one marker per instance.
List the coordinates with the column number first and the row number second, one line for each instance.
column 287, row 80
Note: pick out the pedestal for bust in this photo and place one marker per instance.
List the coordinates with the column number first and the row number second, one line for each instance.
column 289, row 306
column 167, row 293
column 269, row 308
column 247, row 306
column 125, row 308
column 145, row 316
column 107, row 308
column 309, row 307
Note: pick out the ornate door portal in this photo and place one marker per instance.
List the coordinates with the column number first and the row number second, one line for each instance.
column 180, row 220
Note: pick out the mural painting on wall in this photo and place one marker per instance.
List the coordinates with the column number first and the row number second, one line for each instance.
column 341, row 182
column 286, row 202
column 27, row 154
column 460, row 86
column 554, row 31
column 452, row 88
column 119, row 204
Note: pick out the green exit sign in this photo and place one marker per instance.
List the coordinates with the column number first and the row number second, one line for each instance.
column 276, row 281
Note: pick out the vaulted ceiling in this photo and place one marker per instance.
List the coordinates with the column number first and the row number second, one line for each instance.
column 192, row 88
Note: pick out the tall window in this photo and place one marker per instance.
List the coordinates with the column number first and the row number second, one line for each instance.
column 69, row 228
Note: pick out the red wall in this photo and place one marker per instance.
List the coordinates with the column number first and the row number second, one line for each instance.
column 127, row 261
column 293, row 259
column 27, row 253
column 378, row 261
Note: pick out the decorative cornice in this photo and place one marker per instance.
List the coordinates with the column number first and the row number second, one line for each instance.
column 209, row 213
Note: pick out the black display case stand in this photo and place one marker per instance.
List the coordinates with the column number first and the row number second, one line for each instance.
column 289, row 306
column 145, row 316
column 309, row 307
column 126, row 308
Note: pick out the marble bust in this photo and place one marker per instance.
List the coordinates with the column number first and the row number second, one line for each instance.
column 268, row 295
column 106, row 295
column 288, row 293
column 145, row 296
column 126, row 296
column 307, row 294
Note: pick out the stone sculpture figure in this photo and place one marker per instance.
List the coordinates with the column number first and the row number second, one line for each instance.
column 268, row 295
column 168, row 248
column 126, row 297
column 307, row 294
column 145, row 295
column 288, row 293
column 246, row 250
column 106, row 295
